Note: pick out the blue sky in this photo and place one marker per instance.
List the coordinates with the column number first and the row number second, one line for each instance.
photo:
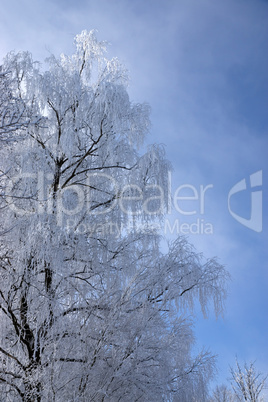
column 202, row 66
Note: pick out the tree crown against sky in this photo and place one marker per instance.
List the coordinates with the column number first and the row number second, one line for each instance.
column 88, row 312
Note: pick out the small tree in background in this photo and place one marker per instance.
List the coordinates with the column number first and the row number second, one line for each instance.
column 222, row 394
column 247, row 383
column 15, row 116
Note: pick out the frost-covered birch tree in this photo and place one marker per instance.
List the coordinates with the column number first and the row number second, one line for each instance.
column 91, row 308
